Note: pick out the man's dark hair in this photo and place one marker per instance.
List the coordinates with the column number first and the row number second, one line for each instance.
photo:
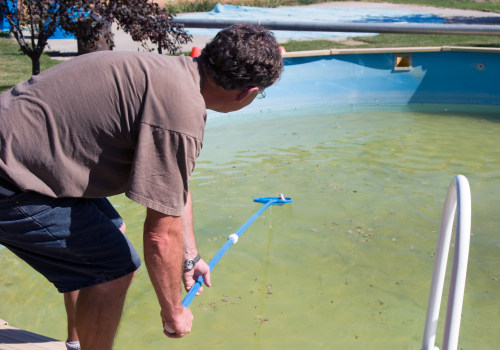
column 242, row 56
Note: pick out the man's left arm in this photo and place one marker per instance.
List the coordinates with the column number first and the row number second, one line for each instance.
column 191, row 251
column 163, row 242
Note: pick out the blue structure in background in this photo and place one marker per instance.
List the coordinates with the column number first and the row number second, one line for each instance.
column 58, row 34
column 307, row 14
column 4, row 25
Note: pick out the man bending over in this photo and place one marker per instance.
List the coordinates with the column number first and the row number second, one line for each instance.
column 118, row 122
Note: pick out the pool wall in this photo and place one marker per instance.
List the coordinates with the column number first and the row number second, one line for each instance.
column 400, row 77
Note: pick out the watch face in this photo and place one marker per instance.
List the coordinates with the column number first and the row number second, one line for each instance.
column 189, row 264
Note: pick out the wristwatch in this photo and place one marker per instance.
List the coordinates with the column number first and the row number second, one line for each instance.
column 189, row 263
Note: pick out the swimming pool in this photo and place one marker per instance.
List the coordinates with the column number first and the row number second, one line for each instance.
column 349, row 263
column 460, row 77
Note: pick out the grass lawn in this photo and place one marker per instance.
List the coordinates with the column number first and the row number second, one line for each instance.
column 14, row 66
column 396, row 40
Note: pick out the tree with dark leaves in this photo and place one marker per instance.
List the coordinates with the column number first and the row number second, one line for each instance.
column 32, row 22
column 146, row 21
column 143, row 20
column 90, row 22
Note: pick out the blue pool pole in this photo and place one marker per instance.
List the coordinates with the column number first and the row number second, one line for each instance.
column 233, row 239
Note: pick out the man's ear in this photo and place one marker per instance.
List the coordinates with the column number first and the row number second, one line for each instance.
column 246, row 92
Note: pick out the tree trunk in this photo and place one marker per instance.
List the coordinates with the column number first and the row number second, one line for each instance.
column 100, row 45
column 35, row 64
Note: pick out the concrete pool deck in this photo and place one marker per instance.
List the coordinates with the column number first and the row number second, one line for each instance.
column 68, row 47
column 12, row 338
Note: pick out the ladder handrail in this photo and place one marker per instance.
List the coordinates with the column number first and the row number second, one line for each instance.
column 458, row 196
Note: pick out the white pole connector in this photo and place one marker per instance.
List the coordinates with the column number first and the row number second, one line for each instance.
column 233, row 237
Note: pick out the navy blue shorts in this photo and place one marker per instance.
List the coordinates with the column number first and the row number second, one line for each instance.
column 74, row 242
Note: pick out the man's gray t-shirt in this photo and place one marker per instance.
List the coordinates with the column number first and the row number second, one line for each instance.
column 106, row 123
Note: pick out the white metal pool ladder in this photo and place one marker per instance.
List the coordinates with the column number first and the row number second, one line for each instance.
column 458, row 196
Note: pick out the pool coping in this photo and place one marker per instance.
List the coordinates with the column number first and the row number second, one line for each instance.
column 329, row 52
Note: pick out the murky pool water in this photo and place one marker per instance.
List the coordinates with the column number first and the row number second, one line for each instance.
column 347, row 265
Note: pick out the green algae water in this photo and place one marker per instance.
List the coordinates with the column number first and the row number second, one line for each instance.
column 347, row 265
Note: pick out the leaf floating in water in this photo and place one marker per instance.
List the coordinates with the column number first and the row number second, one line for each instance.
column 269, row 287
column 228, row 299
column 262, row 319
column 211, row 305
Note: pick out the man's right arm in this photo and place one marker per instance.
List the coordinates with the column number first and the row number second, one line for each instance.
column 163, row 254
